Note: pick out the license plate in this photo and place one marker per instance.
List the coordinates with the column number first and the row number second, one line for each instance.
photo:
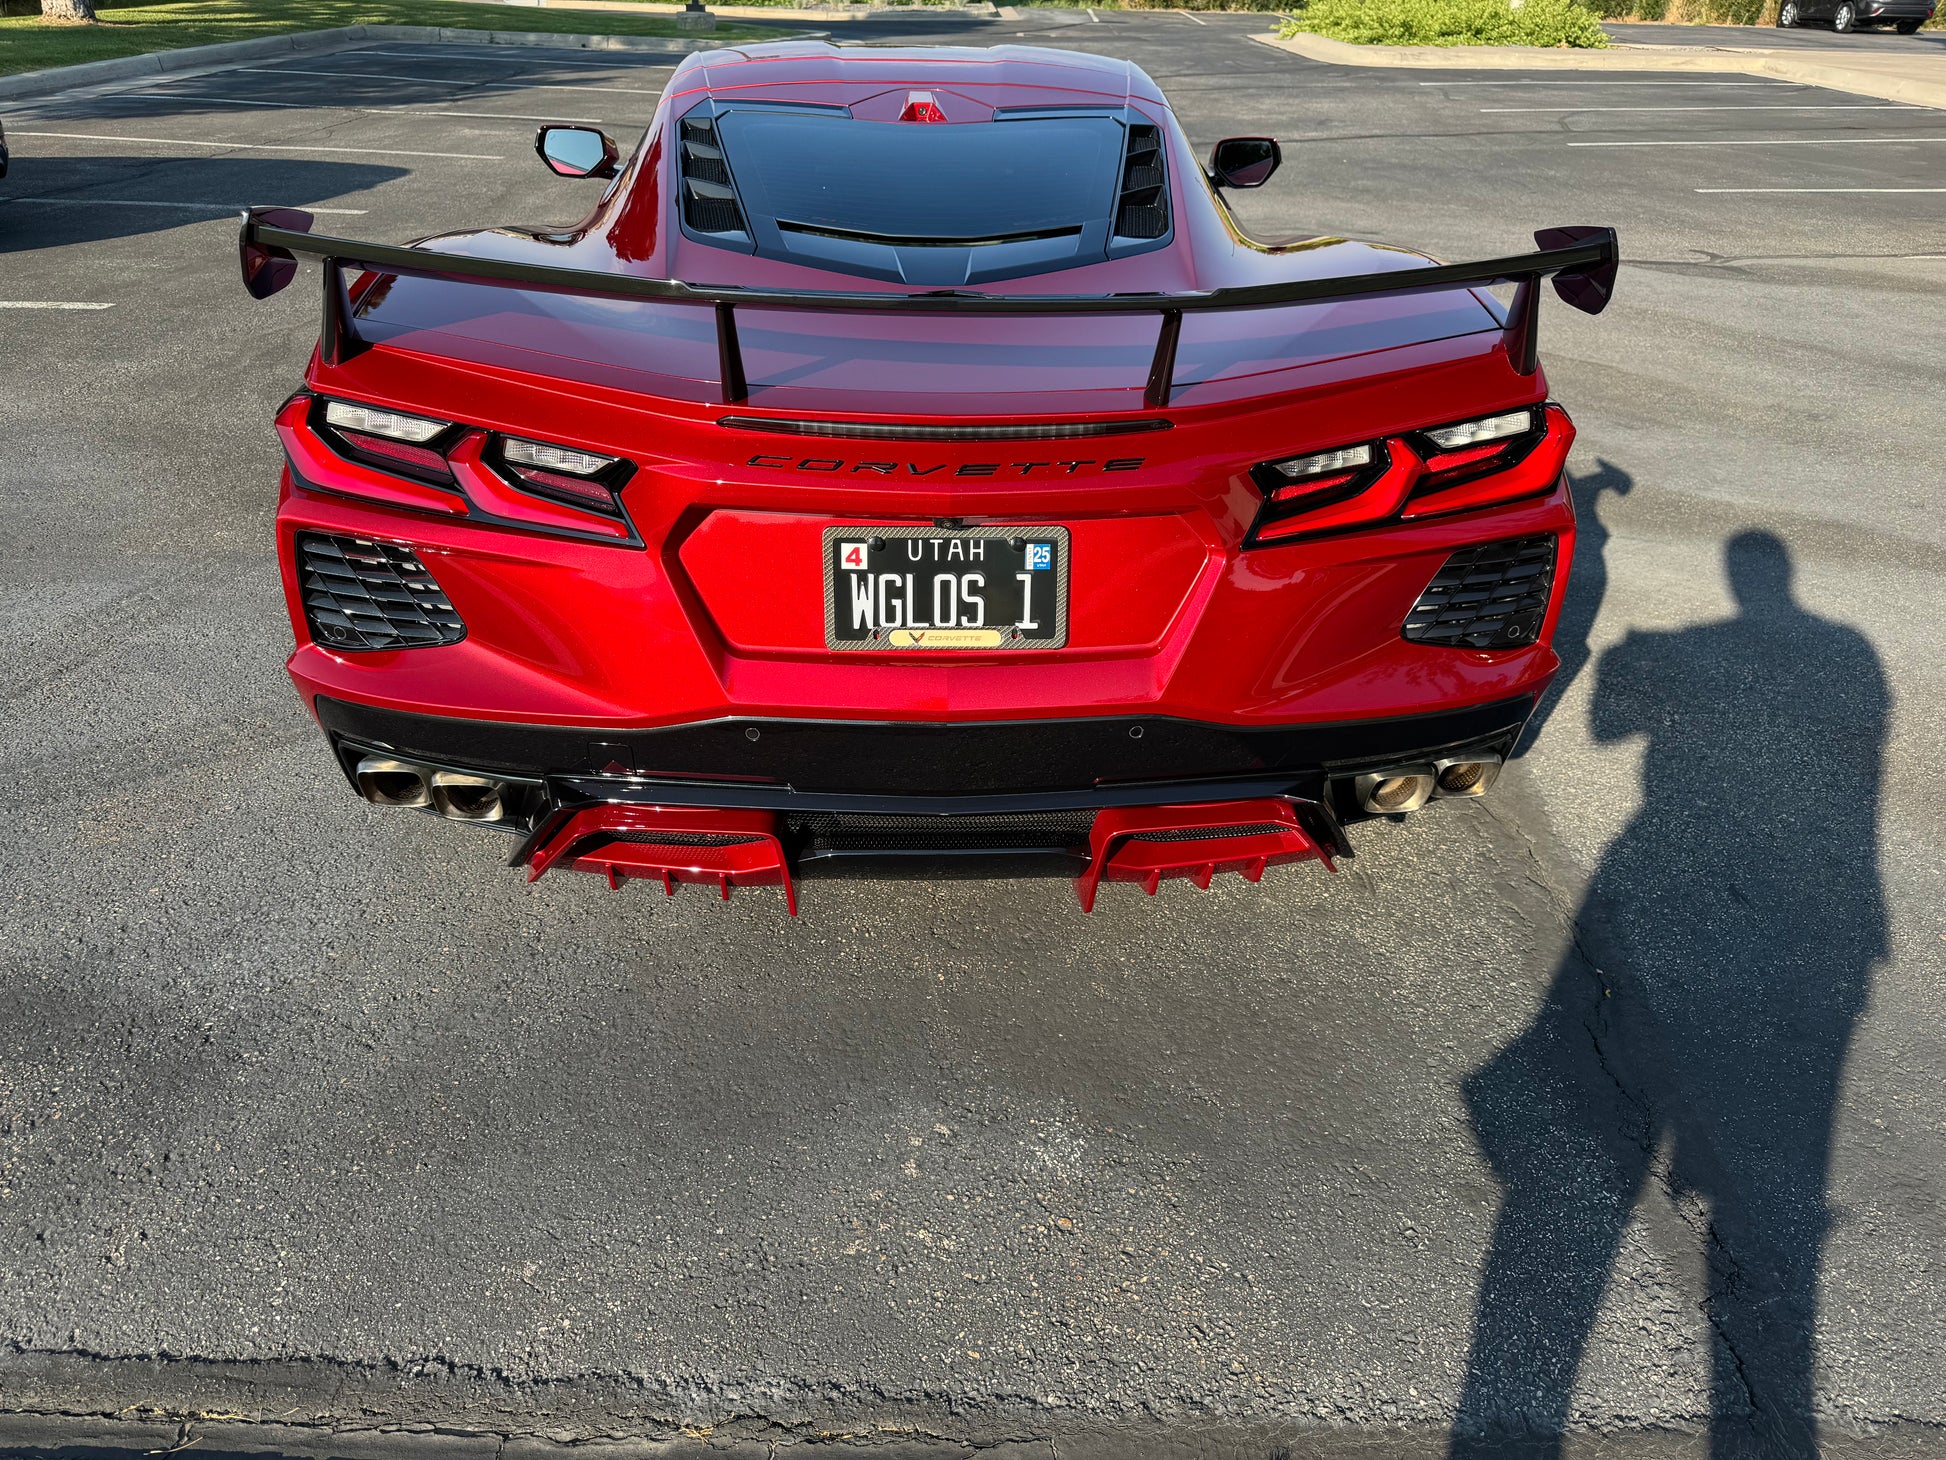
column 931, row 588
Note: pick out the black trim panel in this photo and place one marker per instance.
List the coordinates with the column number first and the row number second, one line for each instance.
column 869, row 758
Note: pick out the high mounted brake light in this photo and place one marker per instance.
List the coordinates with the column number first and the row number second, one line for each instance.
column 920, row 107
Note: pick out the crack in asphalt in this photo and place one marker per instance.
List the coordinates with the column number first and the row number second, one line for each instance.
column 1643, row 1131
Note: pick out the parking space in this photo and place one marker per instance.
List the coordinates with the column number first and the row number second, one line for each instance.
column 372, row 1132
column 1810, row 36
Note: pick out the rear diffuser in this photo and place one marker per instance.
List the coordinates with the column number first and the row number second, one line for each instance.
column 1145, row 844
column 723, row 849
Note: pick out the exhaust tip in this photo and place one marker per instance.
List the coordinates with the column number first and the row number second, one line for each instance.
column 392, row 782
column 1472, row 776
column 1393, row 792
column 468, row 798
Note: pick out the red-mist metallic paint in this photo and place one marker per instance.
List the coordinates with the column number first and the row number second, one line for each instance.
column 721, row 613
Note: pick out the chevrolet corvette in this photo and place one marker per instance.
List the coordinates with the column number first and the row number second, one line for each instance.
column 910, row 464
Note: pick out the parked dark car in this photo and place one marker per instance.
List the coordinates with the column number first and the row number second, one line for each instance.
column 1849, row 15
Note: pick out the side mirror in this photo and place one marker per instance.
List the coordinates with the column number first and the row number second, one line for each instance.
column 1244, row 162
column 577, row 151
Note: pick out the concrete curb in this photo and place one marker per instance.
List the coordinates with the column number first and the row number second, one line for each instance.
column 192, row 58
column 91, row 1437
column 1919, row 80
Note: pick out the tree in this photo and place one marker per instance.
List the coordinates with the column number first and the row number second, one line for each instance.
column 67, row 9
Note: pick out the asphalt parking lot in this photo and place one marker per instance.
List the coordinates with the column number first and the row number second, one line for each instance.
column 1610, row 1103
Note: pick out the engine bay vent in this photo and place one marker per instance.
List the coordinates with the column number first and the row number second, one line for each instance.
column 1142, row 207
column 709, row 200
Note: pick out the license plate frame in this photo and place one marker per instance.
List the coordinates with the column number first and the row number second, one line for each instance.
column 1051, row 620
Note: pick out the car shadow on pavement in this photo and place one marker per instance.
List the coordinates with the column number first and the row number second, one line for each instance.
column 47, row 202
column 1698, row 1024
column 1587, row 587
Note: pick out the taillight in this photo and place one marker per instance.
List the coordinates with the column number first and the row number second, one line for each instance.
column 421, row 458
column 371, row 421
column 1331, row 490
column 1308, row 478
column 580, row 477
column 1503, row 458
column 1487, row 428
column 502, row 478
column 390, row 439
column 1454, row 468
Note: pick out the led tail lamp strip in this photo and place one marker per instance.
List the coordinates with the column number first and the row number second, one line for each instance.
column 1581, row 260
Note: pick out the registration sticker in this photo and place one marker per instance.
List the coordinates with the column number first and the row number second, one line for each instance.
column 1040, row 554
column 851, row 555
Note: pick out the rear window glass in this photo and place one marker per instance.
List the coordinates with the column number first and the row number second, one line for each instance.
column 904, row 181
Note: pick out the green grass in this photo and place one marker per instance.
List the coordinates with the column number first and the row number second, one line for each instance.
column 28, row 43
column 1449, row 23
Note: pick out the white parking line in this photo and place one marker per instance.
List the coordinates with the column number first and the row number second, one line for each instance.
column 1094, row 17
column 521, row 61
column 449, row 81
column 1856, row 106
column 1767, row 142
column 269, row 146
column 377, row 111
column 48, row 304
column 1187, row 16
column 1536, row 81
column 1829, row 190
column 147, row 203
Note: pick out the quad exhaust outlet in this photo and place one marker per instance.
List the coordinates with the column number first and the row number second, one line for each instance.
column 1399, row 789
column 1473, row 776
column 392, row 782
column 460, row 797
column 455, row 795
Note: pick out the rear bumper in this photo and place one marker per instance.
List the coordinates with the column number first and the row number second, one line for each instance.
column 740, row 802
column 827, row 765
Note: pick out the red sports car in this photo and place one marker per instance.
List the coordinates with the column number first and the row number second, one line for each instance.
column 911, row 462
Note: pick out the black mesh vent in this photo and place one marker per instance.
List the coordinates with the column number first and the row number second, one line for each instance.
column 709, row 202
column 1209, row 833
column 1142, row 209
column 1488, row 597
column 362, row 595
column 860, row 831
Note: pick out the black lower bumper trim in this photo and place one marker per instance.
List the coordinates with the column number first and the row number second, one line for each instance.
column 746, row 761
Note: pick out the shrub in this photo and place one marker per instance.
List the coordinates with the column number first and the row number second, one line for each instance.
column 1450, row 23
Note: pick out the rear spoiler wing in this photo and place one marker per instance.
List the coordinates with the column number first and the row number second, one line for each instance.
column 1581, row 260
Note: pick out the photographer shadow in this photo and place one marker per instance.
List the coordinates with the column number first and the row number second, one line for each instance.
column 1724, row 952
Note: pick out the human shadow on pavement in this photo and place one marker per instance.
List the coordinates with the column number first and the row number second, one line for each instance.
column 1587, row 588
column 1723, row 953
